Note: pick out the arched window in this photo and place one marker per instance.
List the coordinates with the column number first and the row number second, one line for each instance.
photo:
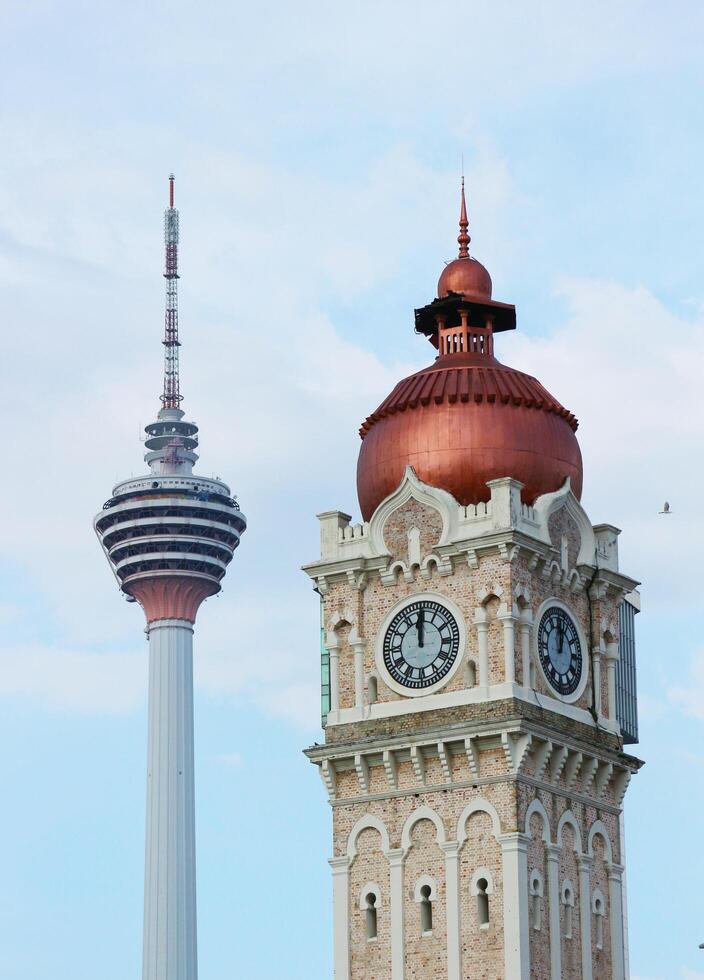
column 536, row 892
column 426, row 910
column 425, row 893
column 370, row 916
column 482, row 887
column 372, row 689
column 598, row 908
column 567, row 909
column 470, row 674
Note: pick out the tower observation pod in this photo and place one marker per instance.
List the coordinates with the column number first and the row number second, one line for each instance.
column 169, row 537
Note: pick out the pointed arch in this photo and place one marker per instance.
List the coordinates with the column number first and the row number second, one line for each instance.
column 367, row 822
column 422, row 813
column 409, row 488
column 477, row 806
column 569, row 818
column 537, row 807
column 598, row 828
column 546, row 505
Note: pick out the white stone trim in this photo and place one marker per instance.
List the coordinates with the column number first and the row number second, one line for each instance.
column 452, row 909
column 383, row 673
column 537, row 807
column 536, row 889
column 367, row 822
column 536, row 883
column 569, row 818
column 477, row 877
column 514, row 849
column 422, row 813
column 584, row 864
column 585, row 647
column 598, row 828
column 423, row 882
column 371, row 888
column 616, row 922
column 451, row 699
column 410, row 488
column 563, row 499
column 340, row 914
column 598, row 896
column 477, row 806
column 396, row 859
column 553, row 868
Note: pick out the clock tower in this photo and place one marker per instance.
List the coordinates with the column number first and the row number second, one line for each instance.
column 478, row 677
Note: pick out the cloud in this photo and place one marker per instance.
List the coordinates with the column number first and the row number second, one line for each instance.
column 629, row 368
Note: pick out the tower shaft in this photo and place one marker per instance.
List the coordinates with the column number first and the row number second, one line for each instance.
column 170, row 932
column 169, row 536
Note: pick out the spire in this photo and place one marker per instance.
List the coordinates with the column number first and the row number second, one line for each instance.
column 171, row 397
column 463, row 237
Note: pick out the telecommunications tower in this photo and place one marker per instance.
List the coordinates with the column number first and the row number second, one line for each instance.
column 169, row 537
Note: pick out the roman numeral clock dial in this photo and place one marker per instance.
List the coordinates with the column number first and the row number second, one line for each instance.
column 421, row 644
column 559, row 650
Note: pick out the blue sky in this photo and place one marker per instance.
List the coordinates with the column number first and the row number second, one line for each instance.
column 317, row 152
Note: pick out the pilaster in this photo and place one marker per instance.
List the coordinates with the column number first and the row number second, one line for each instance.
column 553, row 860
column 396, row 858
column 514, row 848
column 584, row 864
column 452, row 910
column 341, row 917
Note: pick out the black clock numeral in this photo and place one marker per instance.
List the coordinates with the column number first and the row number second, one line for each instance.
column 557, row 637
column 400, row 635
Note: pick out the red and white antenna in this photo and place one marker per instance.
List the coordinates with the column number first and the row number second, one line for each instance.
column 171, row 397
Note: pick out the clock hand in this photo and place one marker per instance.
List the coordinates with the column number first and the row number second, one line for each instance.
column 421, row 625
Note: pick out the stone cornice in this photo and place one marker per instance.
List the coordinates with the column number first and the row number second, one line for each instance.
column 533, row 755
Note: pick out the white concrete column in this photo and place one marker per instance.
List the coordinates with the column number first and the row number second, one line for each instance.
column 170, row 937
column 508, row 621
column 333, row 649
column 624, row 896
column 615, row 872
column 585, row 914
column 553, row 856
column 612, row 658
column 483, row 648
column 596, row 667
column 359, row 675
column 525, row 625
column 341, row 917
column 396, row 858
column 514, row 848
column 452, row 890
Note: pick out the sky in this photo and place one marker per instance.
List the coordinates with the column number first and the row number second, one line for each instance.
column 317, row 149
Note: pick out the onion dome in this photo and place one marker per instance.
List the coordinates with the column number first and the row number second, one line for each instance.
column 464, row 275
column 467, row 418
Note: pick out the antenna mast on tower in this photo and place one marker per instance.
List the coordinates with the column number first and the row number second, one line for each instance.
column 171, row 398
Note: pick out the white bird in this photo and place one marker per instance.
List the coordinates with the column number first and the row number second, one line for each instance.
column 666, row 508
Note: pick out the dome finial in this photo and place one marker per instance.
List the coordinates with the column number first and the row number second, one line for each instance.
column 463, row 237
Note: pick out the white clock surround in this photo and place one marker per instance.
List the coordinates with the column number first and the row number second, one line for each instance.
column 383, row 673
column 579, row 690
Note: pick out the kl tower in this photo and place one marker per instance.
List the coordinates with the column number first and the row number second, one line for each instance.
column 169, row 537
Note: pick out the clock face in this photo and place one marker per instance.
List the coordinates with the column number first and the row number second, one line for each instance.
column 559, row 650
column 421, row 644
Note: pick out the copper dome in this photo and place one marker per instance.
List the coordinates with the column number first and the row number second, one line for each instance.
column 465, row 421
column 467, row 418
column 465, row 276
